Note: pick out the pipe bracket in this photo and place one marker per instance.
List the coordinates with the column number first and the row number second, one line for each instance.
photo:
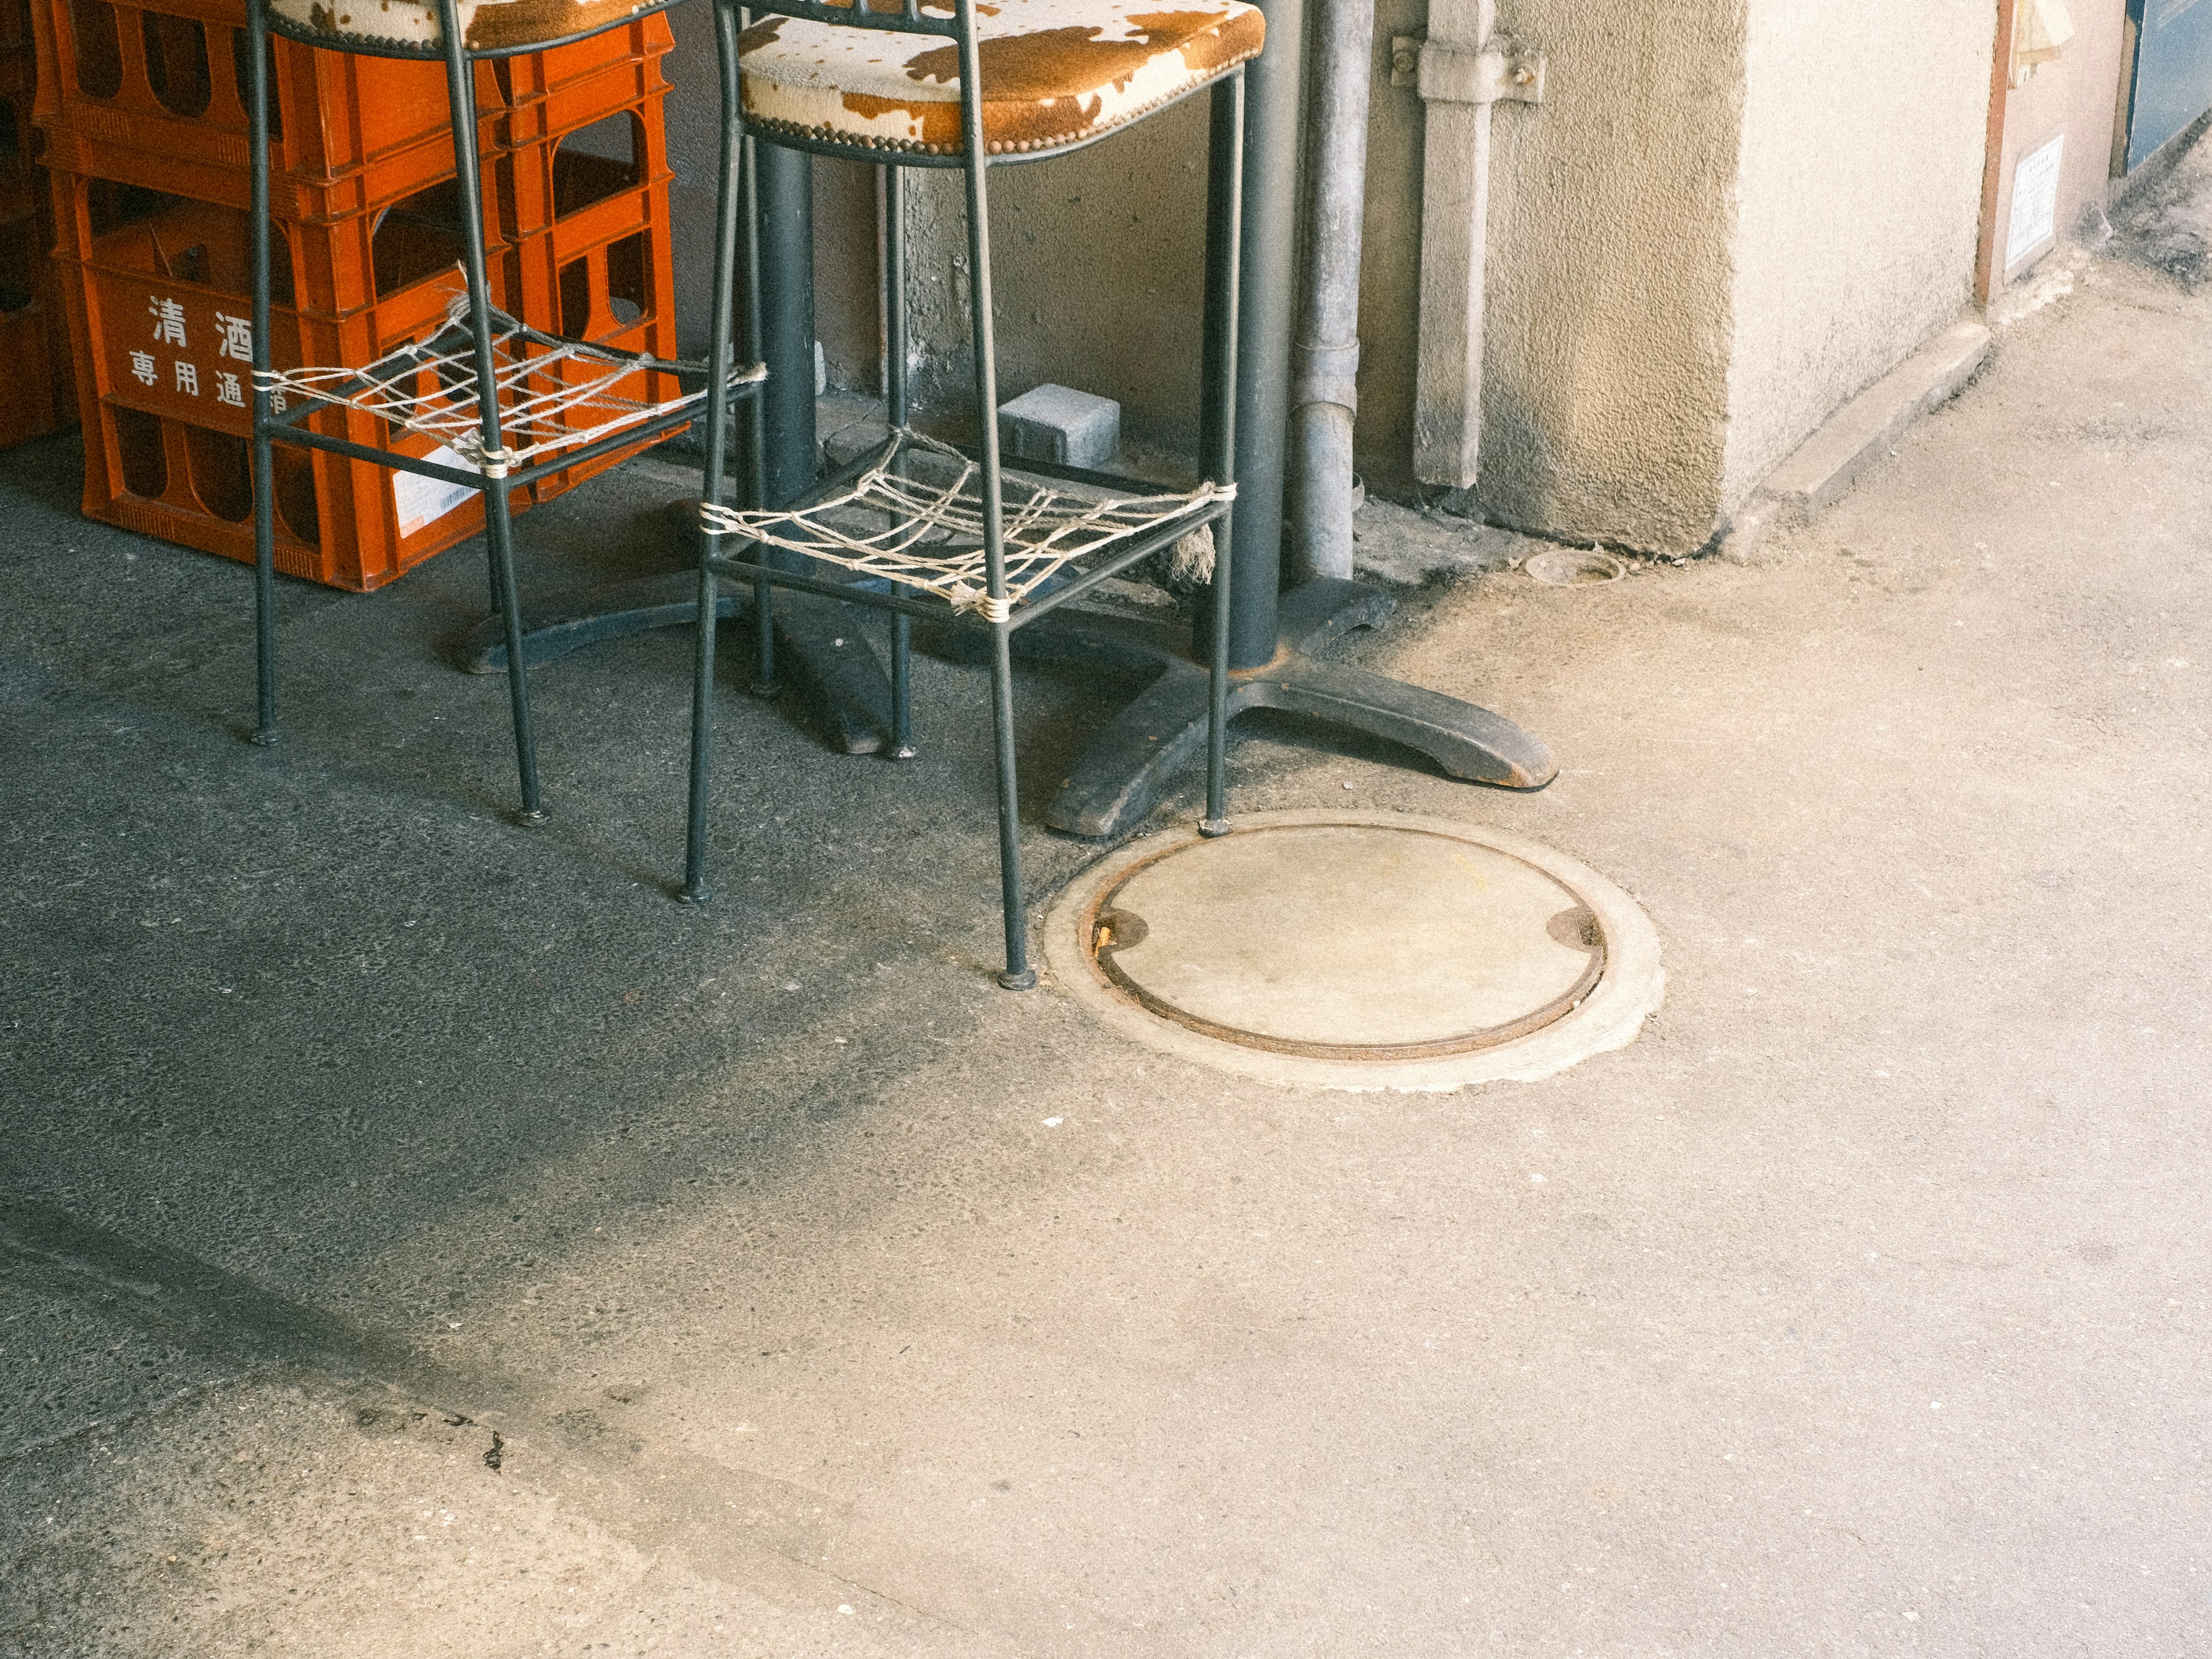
column 1503, row 72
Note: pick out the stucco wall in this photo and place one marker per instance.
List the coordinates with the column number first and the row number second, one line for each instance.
column 1606, row 372
column 1864, row 129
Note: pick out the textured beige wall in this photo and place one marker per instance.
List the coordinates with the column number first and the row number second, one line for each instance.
column 1860, row 200
column 1606, row 372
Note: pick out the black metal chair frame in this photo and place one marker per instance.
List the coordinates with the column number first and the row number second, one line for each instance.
column 1223, row 256
column 270, row 429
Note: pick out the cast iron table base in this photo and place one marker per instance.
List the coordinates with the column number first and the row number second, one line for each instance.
column 818, row 642
column 1151, row 743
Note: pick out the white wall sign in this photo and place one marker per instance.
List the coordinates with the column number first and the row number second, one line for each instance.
column 2034, row 201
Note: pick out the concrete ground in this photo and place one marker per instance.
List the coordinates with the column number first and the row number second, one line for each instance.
column 423, row 1238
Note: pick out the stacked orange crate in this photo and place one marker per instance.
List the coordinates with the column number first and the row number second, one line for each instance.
column 143, row 106
column 144, row 111
column 36, row 396
column 587, row 174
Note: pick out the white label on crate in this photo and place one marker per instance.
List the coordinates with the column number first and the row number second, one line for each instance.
column 422, row 501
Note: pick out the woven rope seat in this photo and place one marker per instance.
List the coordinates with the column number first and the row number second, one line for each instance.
column 1056, row 72
column 914, row 516
column 553, row 393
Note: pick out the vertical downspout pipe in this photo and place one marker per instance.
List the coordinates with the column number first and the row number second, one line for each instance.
column 1325, row 352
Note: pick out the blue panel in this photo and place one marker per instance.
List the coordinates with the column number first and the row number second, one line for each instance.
column 2173, row 71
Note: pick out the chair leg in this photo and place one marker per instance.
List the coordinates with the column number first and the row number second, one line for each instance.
column 265, row 458
column 763, row 682
column 731, row 163
column 499, row 540
column 1223, row 264
column 694, row 889
column 499, row 527
column 894, row 414
column 903, row 746
column 1216, row 821
column 1018, row 975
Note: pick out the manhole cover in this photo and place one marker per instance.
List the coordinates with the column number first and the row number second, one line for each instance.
column 1365, row 950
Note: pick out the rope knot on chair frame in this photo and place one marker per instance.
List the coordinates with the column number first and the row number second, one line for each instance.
column 552, row 393
column 914, row 516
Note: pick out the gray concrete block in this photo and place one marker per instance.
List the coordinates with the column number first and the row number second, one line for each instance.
column 1059, row 424
column 1861, row 431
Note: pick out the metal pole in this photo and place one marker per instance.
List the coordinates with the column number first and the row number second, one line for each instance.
column 1274, row 88
column 1017, row 975
column 783, row 186
column 783, row 232
column 1325, row 356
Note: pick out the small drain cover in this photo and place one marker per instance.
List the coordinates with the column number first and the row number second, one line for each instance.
column 1348, row 942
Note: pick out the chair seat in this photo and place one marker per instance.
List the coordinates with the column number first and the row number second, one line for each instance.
column 486, row 25
column 1056, row 72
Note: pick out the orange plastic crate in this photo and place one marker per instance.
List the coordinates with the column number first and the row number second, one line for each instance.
column 338, row 271
column 563, row 89
column 156, row 96
column 612, row 163
column 160, row 325
column 619, row 293
column 36, row 393
column 33, row 343
column 591, row 233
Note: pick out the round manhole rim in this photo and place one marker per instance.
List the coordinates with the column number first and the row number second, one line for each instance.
column 1096, row 913
column 1631, row 988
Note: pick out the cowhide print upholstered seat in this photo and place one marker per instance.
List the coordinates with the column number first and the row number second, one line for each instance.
column 1056, row 72
column 486, row 25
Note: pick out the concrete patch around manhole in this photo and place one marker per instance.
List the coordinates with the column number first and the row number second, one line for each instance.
column 1357, row 951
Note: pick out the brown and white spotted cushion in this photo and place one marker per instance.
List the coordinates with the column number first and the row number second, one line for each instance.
column 1054, row 72
column 486, row 25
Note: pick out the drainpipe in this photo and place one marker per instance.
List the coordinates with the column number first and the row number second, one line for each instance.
column 1460, row 71
column 1325, row 356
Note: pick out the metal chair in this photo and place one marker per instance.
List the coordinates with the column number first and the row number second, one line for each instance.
column 556, row 402
column 946, row 532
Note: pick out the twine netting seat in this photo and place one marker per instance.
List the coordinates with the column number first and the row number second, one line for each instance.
column 553, row 393
column 914, row 516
